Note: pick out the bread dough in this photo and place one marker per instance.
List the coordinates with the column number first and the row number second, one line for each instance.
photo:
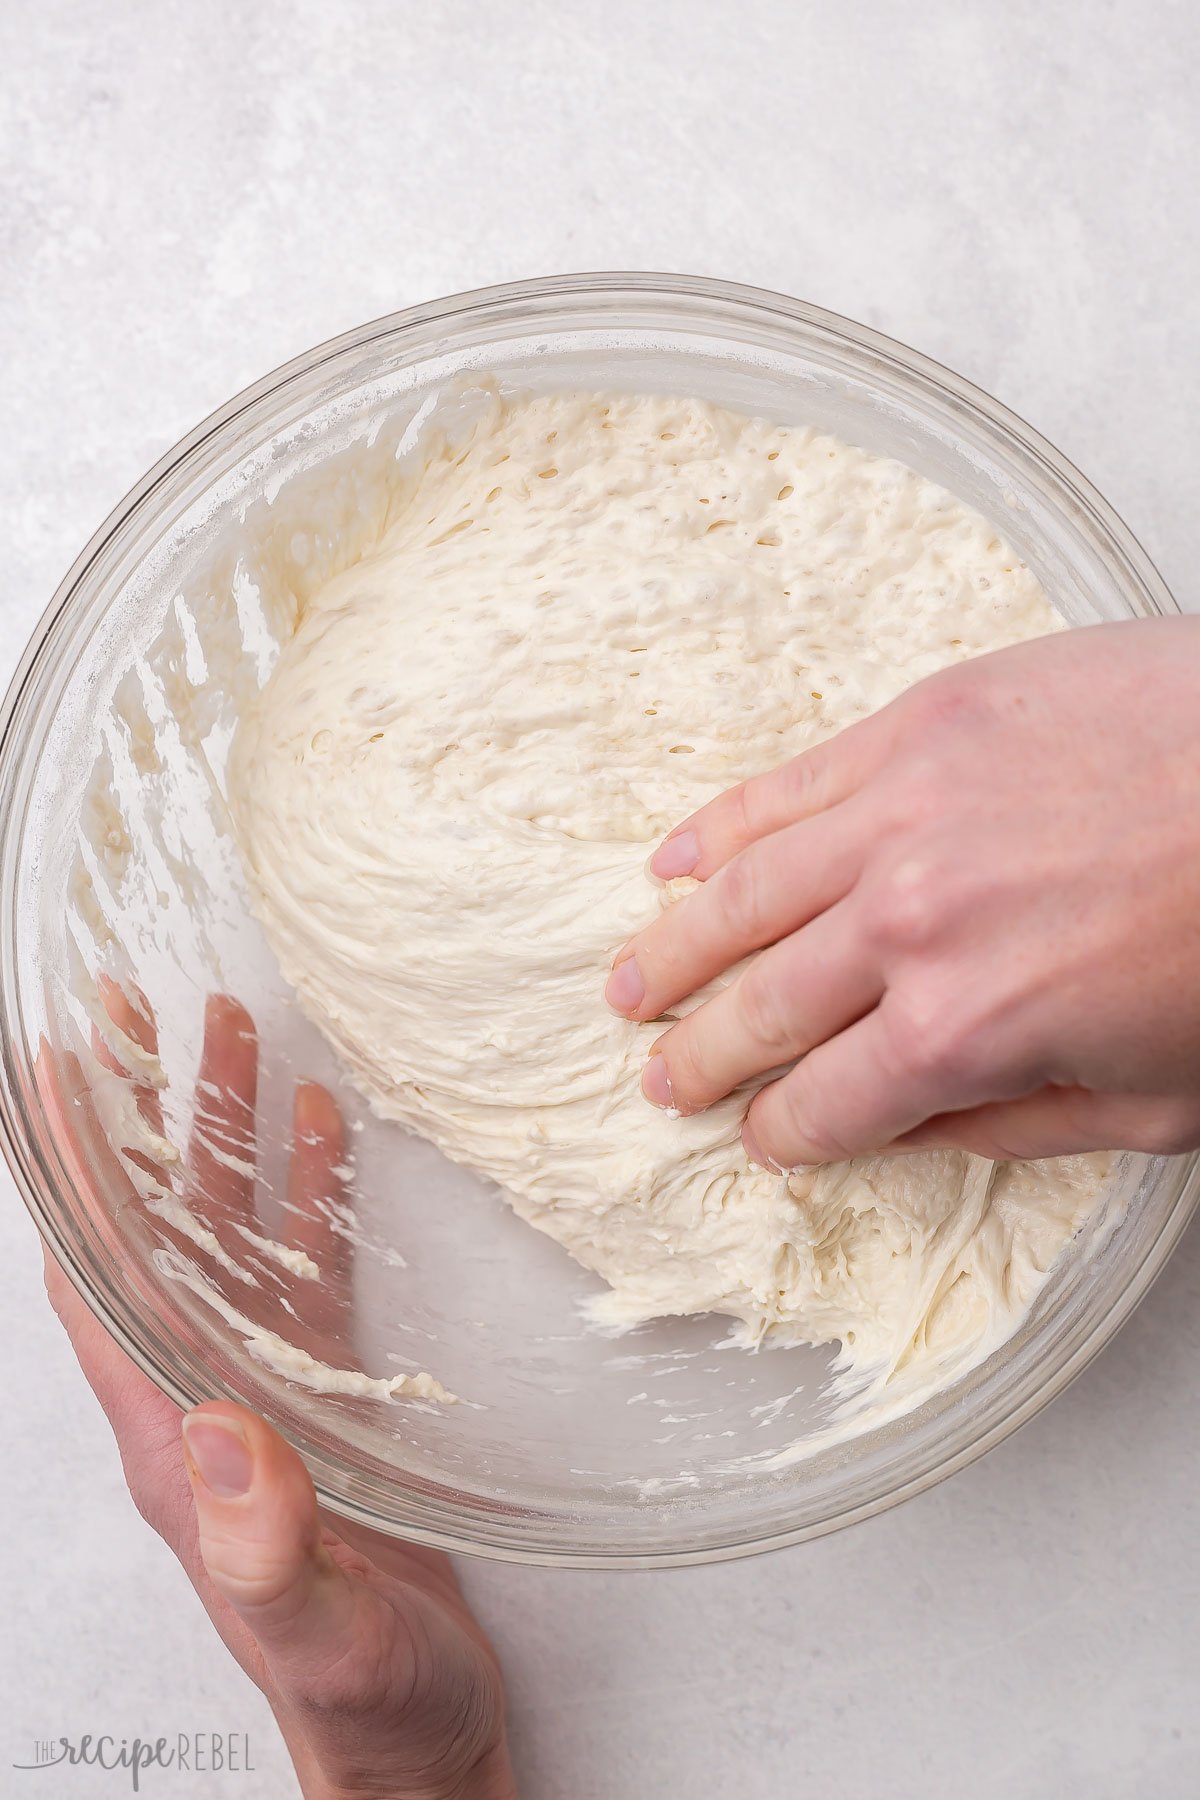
column 588, row 614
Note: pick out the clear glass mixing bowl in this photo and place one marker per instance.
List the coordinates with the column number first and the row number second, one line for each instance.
column 662, row 1446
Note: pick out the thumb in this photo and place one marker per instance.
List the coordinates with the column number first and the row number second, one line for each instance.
column 1064, row 1121
column 260, row 1533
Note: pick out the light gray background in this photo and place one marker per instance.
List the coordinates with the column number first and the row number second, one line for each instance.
column 194, row 194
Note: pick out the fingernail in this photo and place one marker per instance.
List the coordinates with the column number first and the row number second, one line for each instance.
column 315, row 1112
column 625, row 990
column 656, row 1083
column 758, row 1155
column 761, row 1160
column 751, row 1147
column 221, row 1457
column 223, row 1014
column 676, row 856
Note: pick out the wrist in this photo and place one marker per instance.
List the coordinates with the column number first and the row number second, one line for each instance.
column 490, row 1778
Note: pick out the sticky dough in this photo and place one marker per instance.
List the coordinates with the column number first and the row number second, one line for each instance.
column 587, row 615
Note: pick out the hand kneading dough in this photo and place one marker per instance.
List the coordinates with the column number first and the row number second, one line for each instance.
column 589, row 614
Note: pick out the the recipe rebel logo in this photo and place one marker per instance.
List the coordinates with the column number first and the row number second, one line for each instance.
column 183, row 1753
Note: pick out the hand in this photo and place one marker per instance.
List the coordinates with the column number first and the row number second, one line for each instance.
column 382, row 1682
column 976, row 917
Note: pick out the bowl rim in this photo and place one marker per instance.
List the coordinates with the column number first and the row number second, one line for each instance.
column 41, row 653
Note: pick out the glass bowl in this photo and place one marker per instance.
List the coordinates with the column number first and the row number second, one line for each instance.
column 662, row 1446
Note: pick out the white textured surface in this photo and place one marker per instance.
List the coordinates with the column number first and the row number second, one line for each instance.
column 191, row 196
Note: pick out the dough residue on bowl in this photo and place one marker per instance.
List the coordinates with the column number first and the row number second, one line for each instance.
column 587, row 614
